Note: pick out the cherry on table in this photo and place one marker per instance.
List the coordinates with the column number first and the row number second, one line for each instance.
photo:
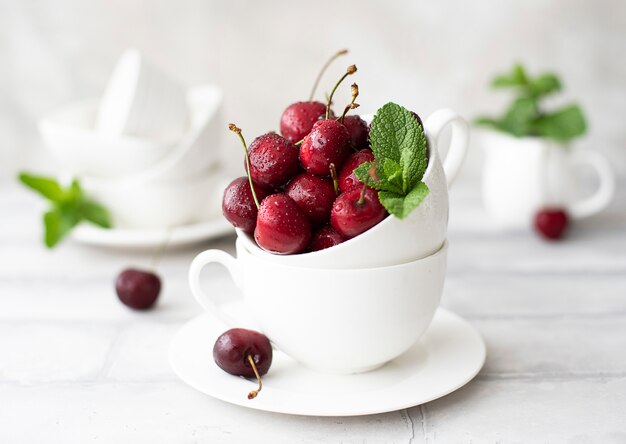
column 238, row 205
column 356, row 210
column 314, row 195
column 137, row 289
column 551, row 223
column 281, row 226
column 243, row 352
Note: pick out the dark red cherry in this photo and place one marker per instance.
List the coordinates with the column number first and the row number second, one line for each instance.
column 281, row 226
column 137, row 289
column 232, row 348
column 358, row 129
column 314, row 195
column 328, row 142
column 238, row 205
column 356, row 210
column 347, row 179
column 325, row 237
column 273, row 160
column 298, row 119
column 551, row 223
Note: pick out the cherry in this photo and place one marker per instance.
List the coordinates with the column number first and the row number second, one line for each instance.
column 551, row 223
column 281, row 226
column 242, row 352
column 356, row 210
column 358, row 129
column 273, row 160
column 325, row 237
column 347, row 179
column 238, row 204
column 328, row 142
column 314, row 195
column 298, row 119
column 137, row 289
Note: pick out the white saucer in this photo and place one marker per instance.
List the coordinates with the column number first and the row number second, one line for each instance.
column 152, row 238
column 448, row 356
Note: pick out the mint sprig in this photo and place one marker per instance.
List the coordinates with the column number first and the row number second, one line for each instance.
column 526, row 117
column 399, row 145
column 68, row 207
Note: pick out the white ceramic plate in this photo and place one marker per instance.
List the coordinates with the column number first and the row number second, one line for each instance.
column 448, row 356
column 153, row 238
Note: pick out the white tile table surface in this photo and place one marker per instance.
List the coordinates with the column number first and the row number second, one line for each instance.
column 76, row 366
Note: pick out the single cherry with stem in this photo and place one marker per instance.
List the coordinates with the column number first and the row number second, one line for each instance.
column 243, row 352
column 356, row 211
column 298, row 118
column 328, row 142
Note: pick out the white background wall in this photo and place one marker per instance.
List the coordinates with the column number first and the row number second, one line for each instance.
column 424, row 55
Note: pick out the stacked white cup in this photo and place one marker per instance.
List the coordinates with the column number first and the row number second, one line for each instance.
column 355, row 306
column 147, row 150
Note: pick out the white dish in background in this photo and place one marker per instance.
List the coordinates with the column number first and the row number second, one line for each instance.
column 447, row 357
column 143, row 101
column 70, row 136
column 144, row 239
column 157, row 203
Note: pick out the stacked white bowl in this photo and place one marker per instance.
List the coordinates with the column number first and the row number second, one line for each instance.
column 147, row 150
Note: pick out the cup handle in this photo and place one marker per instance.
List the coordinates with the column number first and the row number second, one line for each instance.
column 435, row 123
column 606, row 189
column 204, row 299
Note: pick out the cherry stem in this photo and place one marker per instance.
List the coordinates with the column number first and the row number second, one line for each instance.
column 237, row 130
column 333, row 175
column 323, row 70
column 355, row 93
column 254, row 393
column 299, row 142
column 361, row 200
column 351, row 70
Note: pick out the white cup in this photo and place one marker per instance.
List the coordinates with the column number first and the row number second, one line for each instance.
column 158, row 204
column 395, row 241
column 333, row 321
column 523, row 175
column 142, row 101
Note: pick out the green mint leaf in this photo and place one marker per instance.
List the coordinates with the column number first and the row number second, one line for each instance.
column 402, row 205
column 396, row 135
column 517, row 77
column 544, row 85
column 57, row 224
column 563, row 125
column 95, row 213
column 47, row 187
column 520, row 117
column 392, row 183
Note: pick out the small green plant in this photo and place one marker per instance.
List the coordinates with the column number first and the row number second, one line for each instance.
column 526, row 117
column 68, row 207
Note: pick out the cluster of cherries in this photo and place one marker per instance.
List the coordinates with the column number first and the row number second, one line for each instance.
column 300, row 193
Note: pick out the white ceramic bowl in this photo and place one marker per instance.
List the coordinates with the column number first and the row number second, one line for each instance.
column 159, row 204
column 143, row 101
column 395, row 241
column 70, row 137
column 335, row 321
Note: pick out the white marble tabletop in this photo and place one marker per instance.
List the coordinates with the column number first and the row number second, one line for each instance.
column 76, row 366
